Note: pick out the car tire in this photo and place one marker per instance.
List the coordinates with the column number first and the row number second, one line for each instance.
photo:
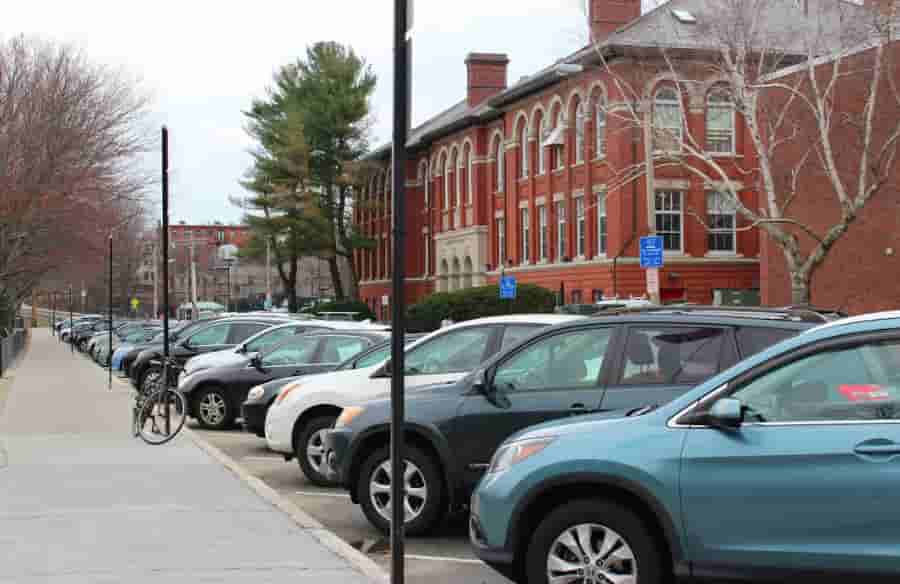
column 603, row 519
column 212, row 409
column 429, row 509
column 309, row 437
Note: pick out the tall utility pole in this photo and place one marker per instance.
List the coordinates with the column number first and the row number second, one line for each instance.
column 155, row 280
column 402, row 31
column 165, row 245
column 191, row 292
column 268, row 274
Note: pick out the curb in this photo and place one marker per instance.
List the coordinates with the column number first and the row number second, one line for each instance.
column 325, row 537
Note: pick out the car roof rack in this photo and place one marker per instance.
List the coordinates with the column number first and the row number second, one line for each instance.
column 795, row 314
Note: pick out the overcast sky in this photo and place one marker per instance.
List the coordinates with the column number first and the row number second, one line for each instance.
column 204, row 61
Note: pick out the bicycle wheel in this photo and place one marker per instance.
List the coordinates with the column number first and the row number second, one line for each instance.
column 162, row 417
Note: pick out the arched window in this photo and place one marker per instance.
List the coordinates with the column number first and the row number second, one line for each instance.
column 559, row 150
column 469, row 181
column 457, row 201
column 423, row 180
column 446, row 170
column 523, row 147
column 498, row 162
column 600, row 127
column 719, row 121
column 579, row 131
column 667, row 119
column 542, row 147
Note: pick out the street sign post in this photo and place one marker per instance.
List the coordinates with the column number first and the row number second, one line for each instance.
column 651, row 252
column 135, row 304
column 653, row 282
column 508, row 288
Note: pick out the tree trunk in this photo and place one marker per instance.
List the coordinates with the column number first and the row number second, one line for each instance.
column 336, row 278
column 800, row 288
column 291, row 292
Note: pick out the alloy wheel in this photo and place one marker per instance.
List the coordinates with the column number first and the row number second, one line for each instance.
column 315, row 451
column 212, row 409
column 591, row 554
column 415, row 486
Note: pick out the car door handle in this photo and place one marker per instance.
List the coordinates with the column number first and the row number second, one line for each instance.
column 878, row 448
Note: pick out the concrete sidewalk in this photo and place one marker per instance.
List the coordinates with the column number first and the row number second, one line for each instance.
column 83, row 502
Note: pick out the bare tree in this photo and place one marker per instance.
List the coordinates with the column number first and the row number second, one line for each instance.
column 71, row 132
column 784, row 70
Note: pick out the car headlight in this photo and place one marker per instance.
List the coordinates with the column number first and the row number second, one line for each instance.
column 516, row 452
column 256, row 393
column 286, row 391
column 348, row 415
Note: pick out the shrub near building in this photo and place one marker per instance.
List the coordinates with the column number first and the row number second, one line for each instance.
column 478, row 302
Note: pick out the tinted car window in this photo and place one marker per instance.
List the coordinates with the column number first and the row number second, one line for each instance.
column 847, row 384
column 374, row 358
column 513, row 334
column 214, row 335
column 454, row 352
column 752, row 340
column 339, row 349
column 293, row 353
column 270, row 339
column 241, row 331
column 569, row 360
column 672, row 355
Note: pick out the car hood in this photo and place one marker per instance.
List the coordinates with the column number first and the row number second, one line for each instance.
column 226, row 358
column 574, row 425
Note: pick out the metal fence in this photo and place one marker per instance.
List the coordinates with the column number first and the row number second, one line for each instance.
column 10, row 348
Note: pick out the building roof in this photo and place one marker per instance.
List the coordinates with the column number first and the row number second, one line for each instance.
column 784, row 22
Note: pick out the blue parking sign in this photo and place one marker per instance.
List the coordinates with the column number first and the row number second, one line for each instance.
column 508, row 288
column 652, row 252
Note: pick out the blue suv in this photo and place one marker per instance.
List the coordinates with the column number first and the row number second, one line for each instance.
column 785, row 467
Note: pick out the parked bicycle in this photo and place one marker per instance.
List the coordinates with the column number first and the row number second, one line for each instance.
column 159, row 411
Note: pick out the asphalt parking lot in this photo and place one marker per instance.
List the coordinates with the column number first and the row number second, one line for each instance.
column 439, row 559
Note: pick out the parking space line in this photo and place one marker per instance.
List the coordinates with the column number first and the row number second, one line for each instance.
column 323, row 494
column 266, row 458
column 443, row 559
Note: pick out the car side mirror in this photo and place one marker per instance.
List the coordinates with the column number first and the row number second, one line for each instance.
column 256, row 360
column 726, row 414
column 385, row 371
column 242, row 348
column 484, row 385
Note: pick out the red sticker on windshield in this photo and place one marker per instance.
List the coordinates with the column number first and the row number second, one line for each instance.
column 857, row 393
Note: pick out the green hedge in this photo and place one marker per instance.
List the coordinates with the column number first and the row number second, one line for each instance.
column 344, row 306
column 476, row 303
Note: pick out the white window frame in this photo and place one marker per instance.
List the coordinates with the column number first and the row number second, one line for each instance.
column 542, row 148
column 498, row 150
column 446, row 183
column 523, row 145
column 469, row 182
column 525, row 231
column 602, row 225
column 671, row 131
column 457, row 178
column 579, row 132
column 559, row 151
column 580, row 225
column 725, row 208
column 561, row 225
column 600, row 129
column 543, row 239
column 427, row 237
column 725, row 107
column 666, row 211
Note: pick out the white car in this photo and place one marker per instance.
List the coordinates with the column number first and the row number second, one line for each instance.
column 307, row 407
column 265, row 338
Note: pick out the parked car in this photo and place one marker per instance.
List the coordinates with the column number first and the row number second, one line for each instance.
column 261, row 397
column 782, row 468
column 597, row 364
column 124, row 357
column 305, row 410
column 265, row 339
column 216, row 335
column 119, row 328
column 214, row 395
column 129, row 337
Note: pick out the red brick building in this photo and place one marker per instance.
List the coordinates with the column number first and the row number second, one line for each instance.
column 859, row 273
column 528, row 176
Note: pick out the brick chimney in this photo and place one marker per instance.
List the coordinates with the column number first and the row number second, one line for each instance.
column 605, row 16
column 487, row 76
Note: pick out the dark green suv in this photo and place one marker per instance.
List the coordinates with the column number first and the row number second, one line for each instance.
column 611, row 364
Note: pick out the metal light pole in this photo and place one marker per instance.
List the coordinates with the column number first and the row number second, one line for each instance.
column 402, row 25
column 71, row 319
column 165, row 246
column 110, row 338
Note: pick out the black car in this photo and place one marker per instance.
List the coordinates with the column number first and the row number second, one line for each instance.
column 212, row 336
column 260, row 398
column 214, row 396
column 601, row 364
column 125, row 365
